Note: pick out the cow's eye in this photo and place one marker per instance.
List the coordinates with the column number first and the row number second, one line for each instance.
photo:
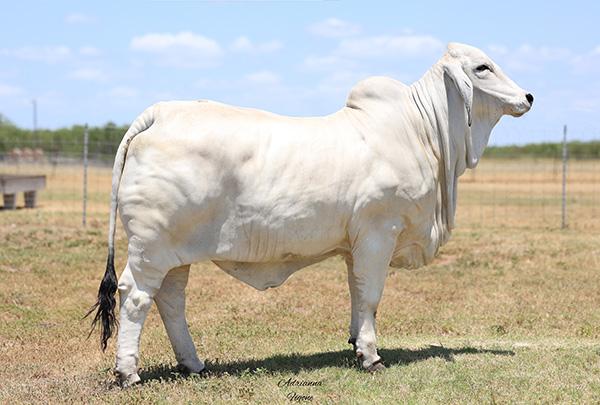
column 483, row 68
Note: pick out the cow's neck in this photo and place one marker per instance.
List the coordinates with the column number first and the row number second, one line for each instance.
column 443, row 129
column 431, row 99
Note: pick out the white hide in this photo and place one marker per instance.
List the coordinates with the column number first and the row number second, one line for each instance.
column 263, row 195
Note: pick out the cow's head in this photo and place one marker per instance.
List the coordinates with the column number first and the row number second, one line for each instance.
column 486, row 92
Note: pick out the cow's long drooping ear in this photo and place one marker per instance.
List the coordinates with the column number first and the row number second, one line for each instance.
column 463, row 85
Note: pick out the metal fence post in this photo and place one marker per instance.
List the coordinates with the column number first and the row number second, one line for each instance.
column 564, row 179
column 85, row 169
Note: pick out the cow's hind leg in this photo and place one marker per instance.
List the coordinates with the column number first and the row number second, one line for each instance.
column 138, row 285
column 353, row 303
column 170, row 301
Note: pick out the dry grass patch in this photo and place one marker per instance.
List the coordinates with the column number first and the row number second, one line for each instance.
column 502, row 315
column 507, row 313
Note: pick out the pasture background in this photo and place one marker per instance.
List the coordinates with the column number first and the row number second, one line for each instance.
column 508, row 312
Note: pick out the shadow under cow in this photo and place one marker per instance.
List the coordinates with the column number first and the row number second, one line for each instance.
column 294, row 363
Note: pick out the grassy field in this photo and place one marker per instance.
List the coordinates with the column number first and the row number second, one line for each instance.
column 507, row 313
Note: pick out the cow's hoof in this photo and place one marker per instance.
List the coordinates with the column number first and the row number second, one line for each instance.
column 352, row 341
column 376, row 366
column 191, row 370
column 129, row 380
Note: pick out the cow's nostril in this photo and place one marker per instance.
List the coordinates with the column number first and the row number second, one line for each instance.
column 529, row 98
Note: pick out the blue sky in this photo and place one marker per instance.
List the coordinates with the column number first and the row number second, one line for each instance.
column 99, row 61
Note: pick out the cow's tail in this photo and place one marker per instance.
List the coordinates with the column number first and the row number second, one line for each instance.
column 105, row 306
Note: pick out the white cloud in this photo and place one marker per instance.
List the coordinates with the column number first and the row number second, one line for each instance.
column 527, row 57
column 184, row 49
column 588, row 62
column 387, row 45
column 546, row 52
column 161, row 96
column 263, row 77
column 164, row 42
column 89, row 51
column 499, row 50
column 334, row 28
column 345, row 78
column 267, row 78
column 7, row 90
column 337, row 85
column 48, row 54
column 78, row 18
column 351, row 52
column 95, row 75
column 244, row 44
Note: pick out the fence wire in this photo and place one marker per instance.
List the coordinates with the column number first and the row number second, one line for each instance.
column 519, row 192
column 527, row 192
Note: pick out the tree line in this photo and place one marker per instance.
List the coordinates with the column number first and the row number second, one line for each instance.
column 64, row 142
column 552, row 150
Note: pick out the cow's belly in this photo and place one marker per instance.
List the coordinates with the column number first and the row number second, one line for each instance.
column 262, row 246
column 276, row 237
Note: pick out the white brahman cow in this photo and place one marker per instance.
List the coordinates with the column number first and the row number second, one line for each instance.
column 263, row 195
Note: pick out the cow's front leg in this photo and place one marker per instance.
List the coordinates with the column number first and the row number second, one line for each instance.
column 371, row 256
column 170, row 301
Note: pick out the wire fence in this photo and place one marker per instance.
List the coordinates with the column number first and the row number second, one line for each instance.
column 528, row 192
column 519, row 192
column 64, row 173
